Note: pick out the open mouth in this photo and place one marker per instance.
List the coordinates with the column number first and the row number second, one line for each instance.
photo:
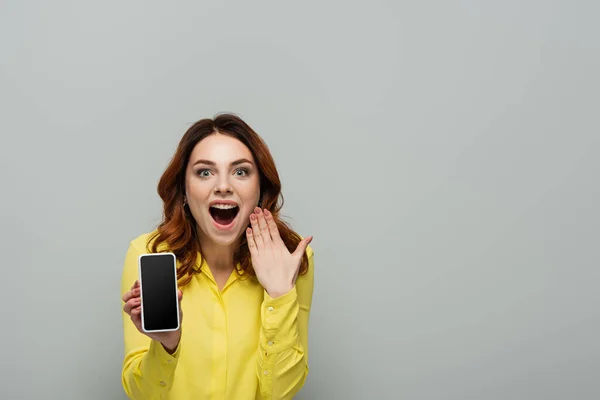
column 224, row 214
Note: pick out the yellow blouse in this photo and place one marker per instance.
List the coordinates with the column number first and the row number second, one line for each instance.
column 235, row 344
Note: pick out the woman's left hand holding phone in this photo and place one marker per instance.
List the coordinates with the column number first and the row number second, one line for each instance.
column 132, row 306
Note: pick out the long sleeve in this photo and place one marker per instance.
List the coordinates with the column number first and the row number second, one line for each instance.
column 148, row 368
column 282, row 361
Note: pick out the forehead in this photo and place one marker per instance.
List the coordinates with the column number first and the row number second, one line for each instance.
column 220, row 148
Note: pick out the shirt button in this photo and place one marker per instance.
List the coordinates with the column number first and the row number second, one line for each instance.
column 266, row 372
column 270, row 343
column 170, row 361
column 162, row 383
column 270, row 308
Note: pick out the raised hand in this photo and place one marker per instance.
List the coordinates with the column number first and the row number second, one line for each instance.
column 132, row 307
column 276, row 268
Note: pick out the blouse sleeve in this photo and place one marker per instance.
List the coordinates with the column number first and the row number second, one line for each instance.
column 148, row 368
column 282, row 365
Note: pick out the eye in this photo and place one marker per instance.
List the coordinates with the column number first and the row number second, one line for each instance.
column 242, row 172
column 203, row 173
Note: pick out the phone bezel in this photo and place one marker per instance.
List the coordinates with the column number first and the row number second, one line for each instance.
column 142, row 291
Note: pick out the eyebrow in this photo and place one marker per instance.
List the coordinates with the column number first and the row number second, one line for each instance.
column 234, row 163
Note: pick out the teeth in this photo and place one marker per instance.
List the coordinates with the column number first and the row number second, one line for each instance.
column 223, row 206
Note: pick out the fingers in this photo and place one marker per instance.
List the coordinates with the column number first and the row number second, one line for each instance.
column 264, row 229
column 131, row 294
column 132, row 299
column 301, row 248
column 299, row 252
column 273, row 229
column 256, row 231
column 134, row 291
column 251, row 243
column 131, row 305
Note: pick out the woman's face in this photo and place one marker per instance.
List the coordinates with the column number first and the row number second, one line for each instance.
column 222, row 185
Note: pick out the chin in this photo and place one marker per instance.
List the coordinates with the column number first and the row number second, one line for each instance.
column 224, row 241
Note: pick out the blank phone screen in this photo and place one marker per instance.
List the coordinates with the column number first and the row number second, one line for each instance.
column 159, row 292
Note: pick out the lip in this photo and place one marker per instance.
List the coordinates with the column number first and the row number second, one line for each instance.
column 228, row 202
column 224, row 227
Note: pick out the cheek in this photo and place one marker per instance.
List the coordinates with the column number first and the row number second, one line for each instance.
column 249, row 191
column 198, row 194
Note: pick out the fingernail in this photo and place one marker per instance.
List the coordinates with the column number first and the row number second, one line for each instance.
column 267, row 213
column 253, row 217
column 259, row 211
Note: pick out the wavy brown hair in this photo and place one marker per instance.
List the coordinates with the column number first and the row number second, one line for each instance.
column 178, row 229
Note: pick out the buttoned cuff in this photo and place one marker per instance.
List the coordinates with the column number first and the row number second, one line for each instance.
column 279, row 322
column 164, row 364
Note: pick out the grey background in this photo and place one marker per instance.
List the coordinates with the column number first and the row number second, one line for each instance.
column 443, row 154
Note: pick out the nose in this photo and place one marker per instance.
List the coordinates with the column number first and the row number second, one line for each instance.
column 222, row 186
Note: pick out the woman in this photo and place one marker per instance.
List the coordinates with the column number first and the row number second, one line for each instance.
column 245, row 278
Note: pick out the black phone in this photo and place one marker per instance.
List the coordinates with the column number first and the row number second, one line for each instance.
column 158, row 292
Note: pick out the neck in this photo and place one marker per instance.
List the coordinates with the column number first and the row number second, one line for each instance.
column 218, row 257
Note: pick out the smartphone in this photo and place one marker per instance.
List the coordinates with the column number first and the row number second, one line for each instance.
column 158, row 292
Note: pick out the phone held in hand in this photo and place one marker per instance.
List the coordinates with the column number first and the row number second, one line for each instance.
column 158, row 292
